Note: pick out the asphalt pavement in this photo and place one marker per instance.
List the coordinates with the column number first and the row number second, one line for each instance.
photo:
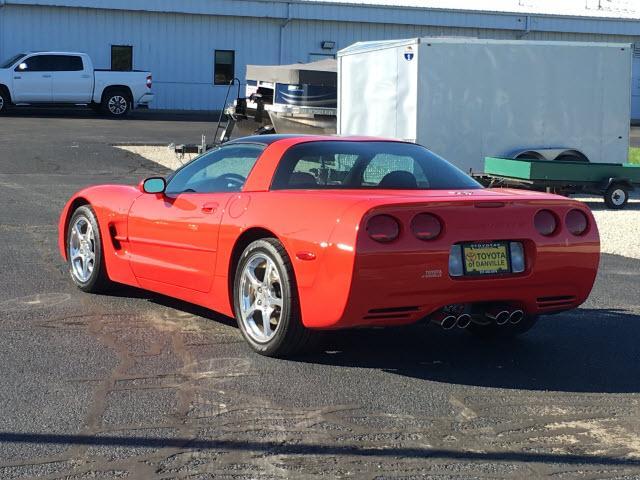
column 137, row 385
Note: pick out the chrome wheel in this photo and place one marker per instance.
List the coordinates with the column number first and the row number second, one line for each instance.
column 260, row 298
column 117, row 105
column 82, row 249
column 1, row 102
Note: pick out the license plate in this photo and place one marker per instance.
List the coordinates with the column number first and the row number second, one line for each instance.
column 486, row 258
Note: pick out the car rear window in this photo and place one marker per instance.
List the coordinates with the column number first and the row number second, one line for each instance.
column 367, row 165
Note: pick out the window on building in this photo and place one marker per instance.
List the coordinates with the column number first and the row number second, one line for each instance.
column 122, row 58
column 224, row 67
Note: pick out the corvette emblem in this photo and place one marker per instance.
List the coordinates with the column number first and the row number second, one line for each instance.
column 432, row 274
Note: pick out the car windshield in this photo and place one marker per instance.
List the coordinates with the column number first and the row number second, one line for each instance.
column 12, row 60
column 367, row 165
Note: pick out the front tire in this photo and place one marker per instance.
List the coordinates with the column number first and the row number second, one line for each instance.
column 84, row 251
column 266, row 301
column 5, row 100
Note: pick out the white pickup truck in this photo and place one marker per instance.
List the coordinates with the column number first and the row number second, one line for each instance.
column 65, row 78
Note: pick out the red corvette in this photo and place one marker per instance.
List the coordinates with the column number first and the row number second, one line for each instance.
column 293, row 234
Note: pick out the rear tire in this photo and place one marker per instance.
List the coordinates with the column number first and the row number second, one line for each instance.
column 616, row 196
column 84, row 252
column 116, row 103
column 266, row 302
column 493, row 331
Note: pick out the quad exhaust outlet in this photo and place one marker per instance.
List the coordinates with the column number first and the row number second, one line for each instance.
column 449, row 320
column 516, row 316
column 463, row 321
column 498, row 314
column 446, row 320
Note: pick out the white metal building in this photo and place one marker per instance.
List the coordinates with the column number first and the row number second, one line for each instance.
column 191, row 44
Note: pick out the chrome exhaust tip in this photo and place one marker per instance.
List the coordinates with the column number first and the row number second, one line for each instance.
column 445, row 320
column 463, row 321
column 499, row 314
column 516, row 316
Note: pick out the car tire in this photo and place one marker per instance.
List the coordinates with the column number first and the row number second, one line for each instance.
column 493, row 331
column 116, row 103
column 616, row 196
column 84, row 252
column 265, row 288
column 5, row 100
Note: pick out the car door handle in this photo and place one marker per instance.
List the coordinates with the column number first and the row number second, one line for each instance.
column 46, row 76
column 86, row 76
column 209, row 207
column 17, row 78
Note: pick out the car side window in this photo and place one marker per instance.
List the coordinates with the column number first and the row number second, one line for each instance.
column 385, row 164
column 39, row 63
column 224, row 169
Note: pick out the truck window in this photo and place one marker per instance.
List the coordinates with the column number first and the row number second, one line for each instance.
column 66, row 63
column 122, row 58
column 38, row 63
column 224, row 67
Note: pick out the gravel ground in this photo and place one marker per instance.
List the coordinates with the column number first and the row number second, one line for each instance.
column 619, row 230
column 164, row 156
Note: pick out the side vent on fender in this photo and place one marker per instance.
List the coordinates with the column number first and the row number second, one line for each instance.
column 115, row 238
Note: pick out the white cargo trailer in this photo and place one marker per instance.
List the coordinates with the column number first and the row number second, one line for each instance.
column 467, row 99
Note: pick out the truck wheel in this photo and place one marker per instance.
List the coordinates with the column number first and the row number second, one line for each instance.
column 266, row 301
column 116, row 103
column 616, row 196
column 5, row 101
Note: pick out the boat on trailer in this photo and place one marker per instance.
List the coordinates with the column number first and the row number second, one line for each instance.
column 299, row 98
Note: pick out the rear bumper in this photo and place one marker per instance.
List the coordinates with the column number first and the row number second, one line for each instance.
column 146, row 99
column 402, row 289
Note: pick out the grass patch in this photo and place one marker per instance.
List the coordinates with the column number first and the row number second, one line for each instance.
column 634, row 155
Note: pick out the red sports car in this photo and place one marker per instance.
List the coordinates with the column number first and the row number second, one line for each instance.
column 294, row 234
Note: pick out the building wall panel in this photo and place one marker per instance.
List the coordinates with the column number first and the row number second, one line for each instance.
column 178, row 47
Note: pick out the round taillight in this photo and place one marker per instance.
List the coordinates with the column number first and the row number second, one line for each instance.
column 576, row 222
column 426, row 226
column 383, row 228
column 545, row 222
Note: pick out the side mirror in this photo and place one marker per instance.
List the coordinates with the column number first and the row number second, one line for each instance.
column 154, row 185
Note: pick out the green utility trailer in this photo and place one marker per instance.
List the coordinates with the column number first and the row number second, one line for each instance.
column 612, row 181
